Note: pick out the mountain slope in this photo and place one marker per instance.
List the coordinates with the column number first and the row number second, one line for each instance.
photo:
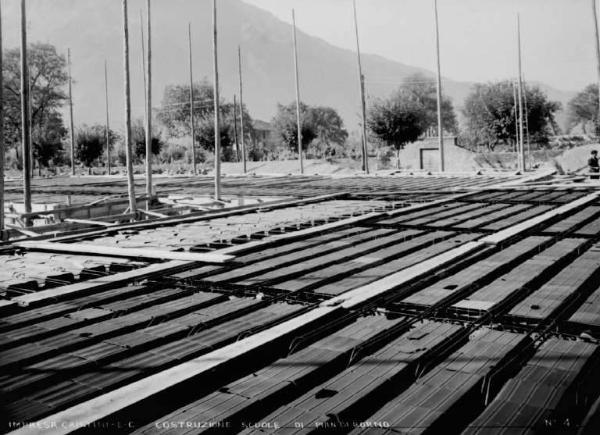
column 92, row 29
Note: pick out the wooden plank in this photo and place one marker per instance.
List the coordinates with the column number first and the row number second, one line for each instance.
column 101, row 283
column 89, row 222
column 92, row 249
column 153, row 214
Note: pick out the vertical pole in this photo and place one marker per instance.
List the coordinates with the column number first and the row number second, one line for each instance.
column 526, row 122
column 143, row 64
column 71, row 125
column 127, row 87
column 242, row 109
column 217, row 108
column 363, row 104
column 192, row 120
column 30, row 126
column 597, row 44
column 235, row 134
column 25, row 131
column 516, row 110
column 298, row 116
column 107, row 128
column 149, row 108
column 2, row 233
column 439, row 90
column 520, row 93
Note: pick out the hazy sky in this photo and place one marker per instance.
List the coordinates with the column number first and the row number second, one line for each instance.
column 478, row 37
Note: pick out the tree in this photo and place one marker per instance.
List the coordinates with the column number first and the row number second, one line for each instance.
column 491, row 119
column 422, row 90
column 330, row 129
column 138, row 138
column 583, row 109
column 205, row 136
column 47, row 139
column 319, row 123
column 397, row 121
column 174, row 112
column 91, row 143
column 48, row 78
column 286, row 125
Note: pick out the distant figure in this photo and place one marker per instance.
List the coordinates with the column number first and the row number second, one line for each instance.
column 593, row 165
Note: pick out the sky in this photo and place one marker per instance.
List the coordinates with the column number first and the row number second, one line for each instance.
column 478, row 37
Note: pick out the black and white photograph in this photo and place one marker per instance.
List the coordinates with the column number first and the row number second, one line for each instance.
column 359, row 217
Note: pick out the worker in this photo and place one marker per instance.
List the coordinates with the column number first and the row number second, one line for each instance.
column 593, row 165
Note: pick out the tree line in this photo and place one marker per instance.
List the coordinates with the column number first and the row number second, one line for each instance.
column 488, row 117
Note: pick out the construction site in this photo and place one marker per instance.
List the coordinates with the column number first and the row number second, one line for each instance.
column 440, row 303
column 375, row 302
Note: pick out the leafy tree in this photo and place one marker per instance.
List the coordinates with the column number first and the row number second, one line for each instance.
column 48, row 78
column 91, row 143
column 205, row 136
column 331, row 134
column 47, row 139
column 583, row 109
column 423, row 91
column 175, row 107
column 491, row 116
column 138, row 139
column 397, row 121
column 174, row 113
column 321, row 124
column 286, row 125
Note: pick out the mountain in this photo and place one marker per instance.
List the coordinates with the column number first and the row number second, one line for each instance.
column 93, row 29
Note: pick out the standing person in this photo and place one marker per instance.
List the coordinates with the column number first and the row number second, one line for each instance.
column 593, row 165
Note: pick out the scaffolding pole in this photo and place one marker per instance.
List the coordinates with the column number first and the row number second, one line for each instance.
column 217, row 107
column 127, row 92
column 363, row 104
column 192, row 120
column 439, row 91
column 298, row 115
column 25, row 119
column 107, row 127
column 149, row 190
column 242, row 139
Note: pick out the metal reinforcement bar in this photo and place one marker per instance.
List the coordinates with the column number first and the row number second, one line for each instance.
column 136, row 392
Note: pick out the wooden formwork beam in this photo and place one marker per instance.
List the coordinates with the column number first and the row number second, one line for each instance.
column 140, row 253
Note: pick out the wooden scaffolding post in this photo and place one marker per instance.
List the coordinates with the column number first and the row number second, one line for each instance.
column 25, row 131
column 107, row 127
column 143, row 65
column 516, row 111
column 216, row 107
column 298, row 115
column 597, row 45
column 520, row 94
column 526, row 122
column 439, row 90
column 235, row 131
column 243, row 143
column 149, row 190
column 2, row 233
column 363, row 102
column 192, row 120
column 127, row 90
column 71, row 123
